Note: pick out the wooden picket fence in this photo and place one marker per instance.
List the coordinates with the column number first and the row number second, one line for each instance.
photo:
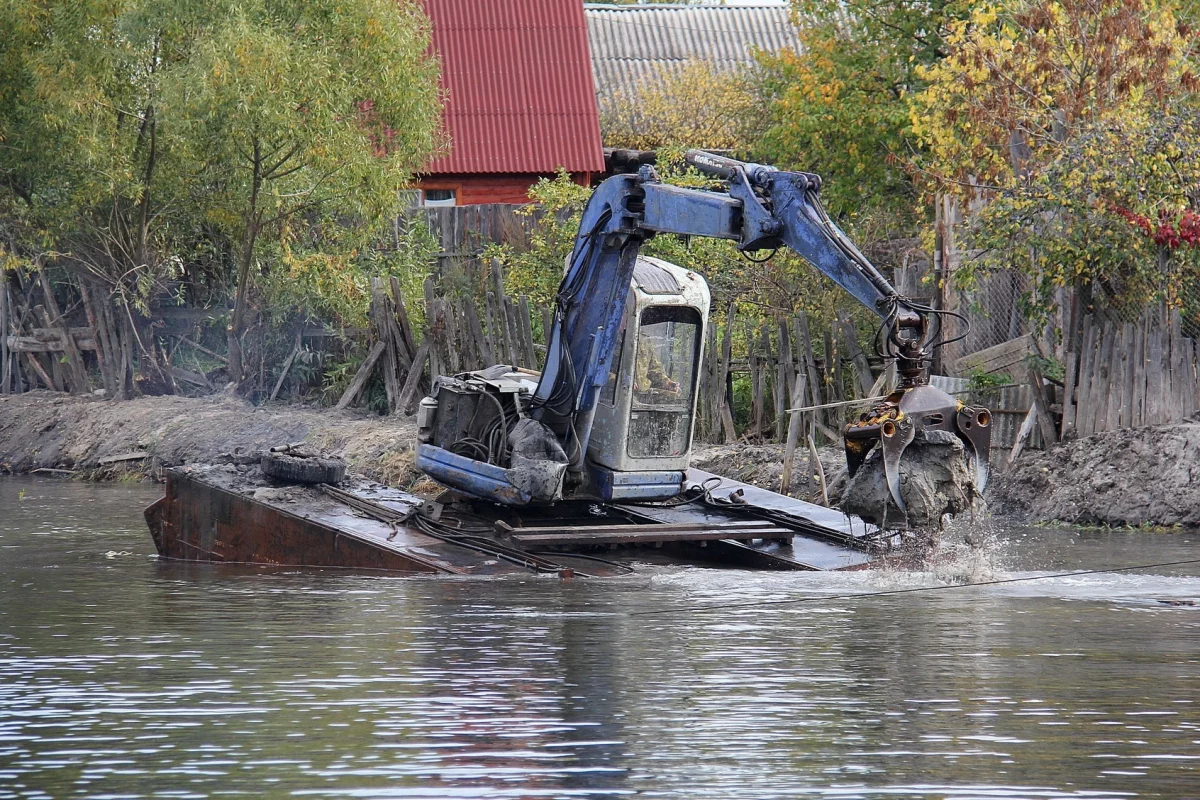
column 780, row 364
column 41, row 344
column 1127, row 375
column 459, row 335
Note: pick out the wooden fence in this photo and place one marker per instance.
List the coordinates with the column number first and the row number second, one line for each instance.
column 464, row 232
column 460, row 334
column 745, row 391
column 43, row 344
column 1127, row 375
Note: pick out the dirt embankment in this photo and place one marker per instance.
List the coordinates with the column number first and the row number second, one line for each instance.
column 1144, row 476
column 762, row 465
column 56, row 431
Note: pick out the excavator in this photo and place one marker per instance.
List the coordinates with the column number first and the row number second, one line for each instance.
column 565, row 470
column 610, row 418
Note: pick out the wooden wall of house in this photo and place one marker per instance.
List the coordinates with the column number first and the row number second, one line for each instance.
column 480, row 188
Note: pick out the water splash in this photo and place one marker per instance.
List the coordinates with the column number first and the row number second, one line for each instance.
column 968, row 549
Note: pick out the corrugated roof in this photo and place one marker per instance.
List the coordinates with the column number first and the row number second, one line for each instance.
column 519, row 86
column 631, row 42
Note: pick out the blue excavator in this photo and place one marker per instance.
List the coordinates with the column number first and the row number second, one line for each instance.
column 609, row 419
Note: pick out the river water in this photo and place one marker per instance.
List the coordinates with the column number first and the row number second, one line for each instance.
column 123, row 676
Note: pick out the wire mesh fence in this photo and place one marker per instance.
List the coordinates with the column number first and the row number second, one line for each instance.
column 995, row 311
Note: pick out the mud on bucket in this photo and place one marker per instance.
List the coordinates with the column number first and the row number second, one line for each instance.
column 538, row 460
column 936, row 478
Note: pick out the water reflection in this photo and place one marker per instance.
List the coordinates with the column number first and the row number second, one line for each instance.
column 125, row 676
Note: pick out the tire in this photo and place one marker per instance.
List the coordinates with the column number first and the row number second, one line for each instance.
column 303, row 469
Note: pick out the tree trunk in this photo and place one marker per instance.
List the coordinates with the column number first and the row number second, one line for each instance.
column 245, row 260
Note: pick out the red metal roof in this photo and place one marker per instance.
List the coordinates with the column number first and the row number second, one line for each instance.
column 518, row 79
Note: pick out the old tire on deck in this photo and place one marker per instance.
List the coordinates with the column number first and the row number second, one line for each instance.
column 296, row 468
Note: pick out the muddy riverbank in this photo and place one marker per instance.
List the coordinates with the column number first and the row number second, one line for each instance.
column 1143, row 476
column 44, row 430
column 1146, row 476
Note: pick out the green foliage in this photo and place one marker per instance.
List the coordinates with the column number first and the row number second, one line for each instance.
column 1050, row 368
column 1021, row 78
column 1075, row 121
column 785, row 283
column 312, row 277
column 682, row 105
column 328, row 105
column 337, row 377
column 269, row 137
column 839, row 103
column 981, row 381
column 1107, row 211
column 537, row 268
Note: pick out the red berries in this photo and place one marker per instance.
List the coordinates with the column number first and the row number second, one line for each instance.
column 1172, row 230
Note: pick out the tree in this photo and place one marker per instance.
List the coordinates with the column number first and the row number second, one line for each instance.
column 694, row 104
column 785, row 283
column 1074, row 121
column 1021, row 78
column 838, row 104
column 320, row 110
column 1116, row 211
column 82, row 160
column 138, row 132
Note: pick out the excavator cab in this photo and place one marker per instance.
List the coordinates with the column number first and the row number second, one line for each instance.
column 472, row 434
column 645, row 414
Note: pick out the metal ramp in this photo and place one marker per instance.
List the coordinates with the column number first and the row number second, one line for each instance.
column 820, row 538
column 653, row 533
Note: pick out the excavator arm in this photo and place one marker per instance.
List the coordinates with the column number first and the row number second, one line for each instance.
column 763, row 208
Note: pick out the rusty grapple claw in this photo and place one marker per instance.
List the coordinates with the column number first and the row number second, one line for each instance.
column 894, row 423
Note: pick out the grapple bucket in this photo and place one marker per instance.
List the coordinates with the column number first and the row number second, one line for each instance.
column 897, row 421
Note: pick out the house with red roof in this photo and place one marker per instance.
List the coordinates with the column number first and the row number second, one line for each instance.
column 519, row 99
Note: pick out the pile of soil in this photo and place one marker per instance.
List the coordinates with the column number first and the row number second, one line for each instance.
column 45, row 430
column 1143, row 476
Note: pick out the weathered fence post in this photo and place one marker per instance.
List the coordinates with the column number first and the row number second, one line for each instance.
column 436, row 362
column 788, row 375
column 412, row 383
column 805, row 342
column 709, row 388
column 726, row 413
column 1042, row 404
column 4, row 365
column 379, row 323
column 793, row 436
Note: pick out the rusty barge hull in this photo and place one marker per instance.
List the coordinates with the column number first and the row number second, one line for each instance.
column 226, row 514
column 212, row 515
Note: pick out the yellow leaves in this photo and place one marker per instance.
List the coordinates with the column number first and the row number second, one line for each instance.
column 1020, row 66
column 695, row 104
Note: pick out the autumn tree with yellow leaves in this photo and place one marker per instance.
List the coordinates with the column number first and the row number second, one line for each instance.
column 693, row 104
column 1075, row 122
column 838, row 104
